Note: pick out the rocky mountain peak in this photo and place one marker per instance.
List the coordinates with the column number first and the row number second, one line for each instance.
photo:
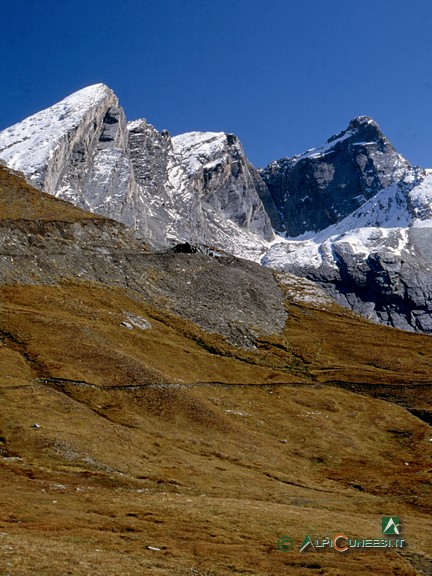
column 199, row 187
column 372, row 259
column 322, row 186
column 362, row 121
column 359, row 129
column 37, row 146
column 359, row 213
column 224, row 178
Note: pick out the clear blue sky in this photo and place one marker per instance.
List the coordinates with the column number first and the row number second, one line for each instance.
column 283, row 75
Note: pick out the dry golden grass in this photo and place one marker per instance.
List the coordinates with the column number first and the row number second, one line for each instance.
column 75, row 332
column 109, row 474
column 150, row 452
column 317, row 345
column 20, row 201
column 167, row 451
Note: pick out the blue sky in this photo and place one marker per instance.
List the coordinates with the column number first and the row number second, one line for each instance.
column 283, row 75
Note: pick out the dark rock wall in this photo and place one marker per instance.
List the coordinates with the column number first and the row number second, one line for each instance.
column 323, row 186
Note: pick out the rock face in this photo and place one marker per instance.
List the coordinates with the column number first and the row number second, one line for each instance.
column 376, row 261
column 322, row 186
column 76, row 150
column 54, row 242
column 221, row 175
column 356, row 217
column 172, row 211
column 360, row 221
column 83, row 150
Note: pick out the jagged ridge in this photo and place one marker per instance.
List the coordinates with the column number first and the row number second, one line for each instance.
column 325, row 184
column 358, row 214
column 83, row 150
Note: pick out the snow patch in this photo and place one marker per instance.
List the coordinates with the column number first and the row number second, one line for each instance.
column 196, row 148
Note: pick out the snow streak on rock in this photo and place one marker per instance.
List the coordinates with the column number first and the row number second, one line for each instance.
column 352, row 215
column 83, row 150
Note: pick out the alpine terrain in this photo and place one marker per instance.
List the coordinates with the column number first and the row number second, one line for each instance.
column 352, row 215
column 198, row 187
column 169, row 406
column 363, row 226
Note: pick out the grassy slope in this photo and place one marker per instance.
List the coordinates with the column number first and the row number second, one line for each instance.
column 20, row 201
column 139, row 447
column 213, row 474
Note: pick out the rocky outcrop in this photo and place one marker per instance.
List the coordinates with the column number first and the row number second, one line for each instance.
column 83, row 150
column 173, row 212
column 358, row 219
column 322, row 186
column 226, row 181
column 363, row 213
column 376, row 261
column 77, row 150
column 56, row 243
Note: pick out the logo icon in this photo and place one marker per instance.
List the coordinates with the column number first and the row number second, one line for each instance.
column 391, row 525
column 306, row 542
column 284, row 543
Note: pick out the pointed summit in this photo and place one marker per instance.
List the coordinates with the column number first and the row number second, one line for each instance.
column 36, row 146
column 83, row 151
column 360, row 121
column 322, row 186
column 360, row 129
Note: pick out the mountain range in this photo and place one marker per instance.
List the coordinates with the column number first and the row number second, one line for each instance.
column 168, row 408
column 351, row 215
column 170, row 412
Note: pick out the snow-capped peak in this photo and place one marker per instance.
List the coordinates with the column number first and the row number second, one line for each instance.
column 28, row 145
column 359, row 121
column 382, row 223
column 361, row 130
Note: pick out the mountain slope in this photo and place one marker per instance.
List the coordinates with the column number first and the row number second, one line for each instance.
column 373, row 259
column 356, row 216
column 56, row 242
column 83, row 150
column 220, row 172
column 142, row 433
column 376, row 260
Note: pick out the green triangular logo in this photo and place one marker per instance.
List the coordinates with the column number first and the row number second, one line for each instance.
column 391, row 525
column 306, row 542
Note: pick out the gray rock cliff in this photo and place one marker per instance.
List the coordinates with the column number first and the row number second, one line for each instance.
column 323, row 185
column 83, row 150
column 221, row 175
column 376, row 261
column 44, row 240
column 357, row 217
